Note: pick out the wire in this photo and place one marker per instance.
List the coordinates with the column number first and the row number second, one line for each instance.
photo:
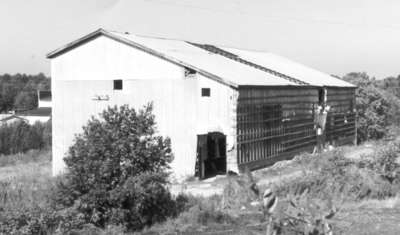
column 290, row 19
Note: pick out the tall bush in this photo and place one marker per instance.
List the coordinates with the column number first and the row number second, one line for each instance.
column 18, row 91
column 376, row 108
column 20, row 137
column 118, row 169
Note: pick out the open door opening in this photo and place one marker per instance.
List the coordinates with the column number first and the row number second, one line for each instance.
column 321, row 97
column 320, row 120
column 211, row 155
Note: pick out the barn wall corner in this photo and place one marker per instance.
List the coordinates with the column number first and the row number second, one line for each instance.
column 231, row 150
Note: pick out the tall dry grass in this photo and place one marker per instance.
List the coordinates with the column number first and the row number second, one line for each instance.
column 327, row 181
column 326, row 185
column 25, row 188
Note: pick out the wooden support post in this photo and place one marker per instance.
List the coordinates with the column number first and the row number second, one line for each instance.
column 355, row 128
column 232, row 160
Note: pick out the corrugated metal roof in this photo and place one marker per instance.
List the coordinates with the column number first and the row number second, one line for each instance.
column 11, row 117
column 229, row 55
column 289, row 68
column 201, row 60
column 251, row 68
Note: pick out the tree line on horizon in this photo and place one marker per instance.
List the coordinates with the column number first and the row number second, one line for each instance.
column 19, row 91
column 377, row 104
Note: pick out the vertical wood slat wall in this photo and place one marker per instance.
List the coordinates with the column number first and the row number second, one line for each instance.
column 341, row 120
column 274, row 123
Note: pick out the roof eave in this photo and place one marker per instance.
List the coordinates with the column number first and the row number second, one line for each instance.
column 102, row 32
column 76, row 43
column 345, row 87
column 280, row 86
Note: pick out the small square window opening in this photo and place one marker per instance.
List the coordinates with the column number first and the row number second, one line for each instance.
column 206, row 92
column 117, row 84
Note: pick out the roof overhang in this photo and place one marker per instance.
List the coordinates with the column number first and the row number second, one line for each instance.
column 279, row 86
column 102, row 32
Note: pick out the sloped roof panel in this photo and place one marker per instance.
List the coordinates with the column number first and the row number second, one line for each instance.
column 217, row 65
column 290, row 68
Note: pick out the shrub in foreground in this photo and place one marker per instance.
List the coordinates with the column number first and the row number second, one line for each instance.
column 385, row 162
column 376, row 108
column 331, row 175
column 117, row 171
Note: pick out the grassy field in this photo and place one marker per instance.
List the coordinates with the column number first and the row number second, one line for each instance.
column 25, row 185
column 366, row 203
column 24, row 179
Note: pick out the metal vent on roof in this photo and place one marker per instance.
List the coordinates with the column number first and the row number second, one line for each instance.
column 227, row 54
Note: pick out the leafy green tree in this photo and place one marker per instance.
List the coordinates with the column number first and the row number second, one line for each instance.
column 11, row 87
column 390, row 84
column 117, row 170
column 8, row 94
column 47, row 134
column 373, row 106
column 19, row 137
column 25, row 100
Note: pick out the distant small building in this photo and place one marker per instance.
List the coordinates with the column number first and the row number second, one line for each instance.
column 44, row 99
column 40, row 114
column 10, row 118
column 4, row 115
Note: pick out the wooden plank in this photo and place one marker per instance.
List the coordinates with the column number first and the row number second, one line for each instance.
column 342, row 129
column 280, row 96
column 300, row 138
column 252, row 140
column 270, row 161
column 267, row 92
column 341, row 113
column 311, row 142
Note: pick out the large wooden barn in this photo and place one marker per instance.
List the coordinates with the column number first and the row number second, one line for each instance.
column 224, row 109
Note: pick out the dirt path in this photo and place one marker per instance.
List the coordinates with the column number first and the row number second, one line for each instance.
column 358, row 151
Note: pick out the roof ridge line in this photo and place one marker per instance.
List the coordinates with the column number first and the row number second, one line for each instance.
column 236, row 58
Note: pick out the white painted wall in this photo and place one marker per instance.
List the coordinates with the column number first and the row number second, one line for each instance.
column 106, row 59
column 44, row 104
column 181, row 113
column 32, row 119
column 218, row 113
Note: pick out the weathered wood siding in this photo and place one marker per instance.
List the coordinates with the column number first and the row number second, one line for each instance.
column 341, row 120
column 274, row 123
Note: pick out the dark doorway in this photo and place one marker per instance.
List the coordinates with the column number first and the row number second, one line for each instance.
column 321, row 96
column 211, row 155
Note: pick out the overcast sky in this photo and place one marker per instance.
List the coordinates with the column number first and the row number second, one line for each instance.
column 336, row 37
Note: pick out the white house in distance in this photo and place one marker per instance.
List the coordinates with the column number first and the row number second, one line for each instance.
column 224, row 109
column 44, row 99
column 40, row 114
column 10, row 118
